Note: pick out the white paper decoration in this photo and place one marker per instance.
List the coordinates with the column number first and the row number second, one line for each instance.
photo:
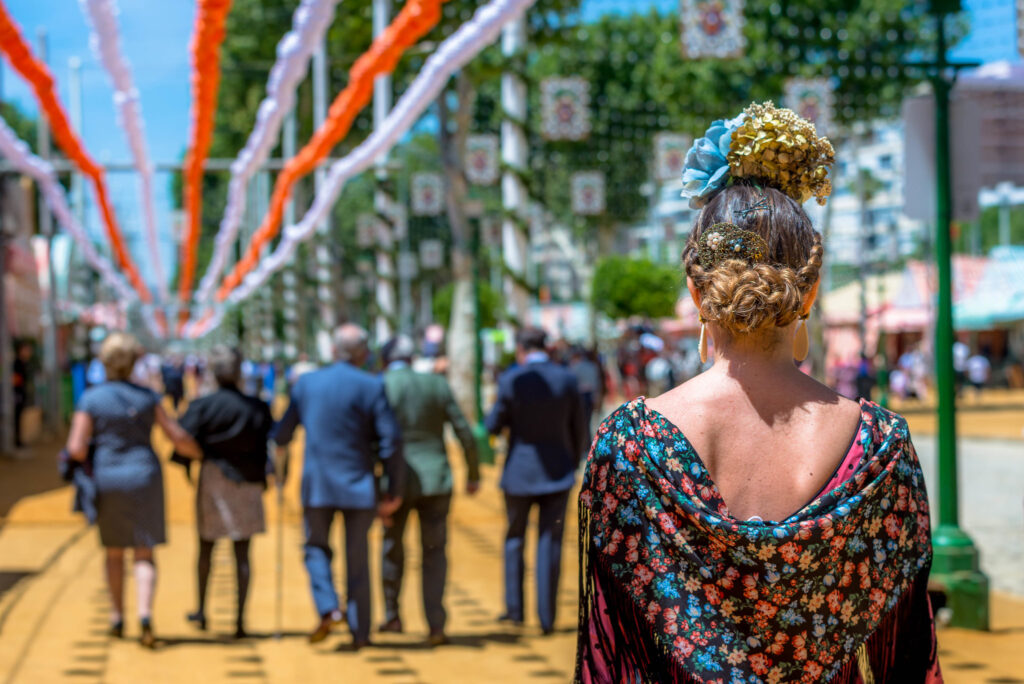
column 669, row 155
column 813, row 99
column 427, row 194
column 588, row 193
column 482, row 159
column 366, row 230
column 712, row 28
column 431, row 254
column 565, row 108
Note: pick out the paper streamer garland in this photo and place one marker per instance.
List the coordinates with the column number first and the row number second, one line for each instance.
column 453, row 53
column 106, row 44
column 207, row 37
column 17, row 153
column 20, row 55
column 416, row 19
column 309, row 23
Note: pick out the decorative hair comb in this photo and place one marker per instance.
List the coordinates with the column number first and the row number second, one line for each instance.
column 724, row 241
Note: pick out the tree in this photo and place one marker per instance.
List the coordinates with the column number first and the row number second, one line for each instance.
column 625, row 287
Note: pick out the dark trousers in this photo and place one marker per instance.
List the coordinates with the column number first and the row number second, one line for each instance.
column 551, row 523
column 433, row 515
column 318, row 556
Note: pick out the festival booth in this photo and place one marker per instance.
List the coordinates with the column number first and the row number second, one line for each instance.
column 993, row 316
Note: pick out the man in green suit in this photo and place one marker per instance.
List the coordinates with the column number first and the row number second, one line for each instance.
column 423, row 403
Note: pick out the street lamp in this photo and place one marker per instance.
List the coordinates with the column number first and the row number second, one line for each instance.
column 955, row 564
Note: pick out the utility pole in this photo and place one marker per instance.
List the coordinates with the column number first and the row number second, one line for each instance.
column 79, row 275
column 384, row 202
column 955, row 563
column 514, row 151
column 6, row 352
column 324, row 294
column 51, row 407
column 288, row 277
column 1004, row 211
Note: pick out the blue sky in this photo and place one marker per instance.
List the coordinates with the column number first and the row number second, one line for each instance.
column 155, row 37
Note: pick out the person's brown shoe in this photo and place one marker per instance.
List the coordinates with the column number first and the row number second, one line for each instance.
column 327, row 623
column 147, row 639
column 391, row 626
column 438, row 638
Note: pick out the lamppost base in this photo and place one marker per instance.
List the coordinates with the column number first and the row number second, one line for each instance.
column 955, row 572
column 483, row 443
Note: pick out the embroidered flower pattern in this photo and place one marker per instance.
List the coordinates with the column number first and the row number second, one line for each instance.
column 742, row 601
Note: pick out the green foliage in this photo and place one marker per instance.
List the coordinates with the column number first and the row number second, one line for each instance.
column 22, row 124
column 625, row 287
column 491, row 305
column 983, row 234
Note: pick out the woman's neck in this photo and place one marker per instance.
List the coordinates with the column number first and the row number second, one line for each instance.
column 755, row 359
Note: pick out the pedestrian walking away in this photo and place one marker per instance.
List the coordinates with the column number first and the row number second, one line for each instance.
column 423, row 404
column 349, row 428
column 540, row 405
column 111, row 432
column 231, row 429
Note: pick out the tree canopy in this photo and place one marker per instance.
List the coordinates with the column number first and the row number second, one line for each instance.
column 625, row 287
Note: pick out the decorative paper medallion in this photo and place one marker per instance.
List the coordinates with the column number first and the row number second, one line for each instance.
column 366, row 230
column 482, row 159
column 431, row 254
column 427, row 194
column 712, row 28
column 565, row 108
column 353, row 287
column 669, row 155
column 812, row 99
column 588, row 193
column 408, row 267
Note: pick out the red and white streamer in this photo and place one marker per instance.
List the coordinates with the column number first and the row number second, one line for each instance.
column 452, row 55
column 309, row 23
column 15, row 151
column 105, row 41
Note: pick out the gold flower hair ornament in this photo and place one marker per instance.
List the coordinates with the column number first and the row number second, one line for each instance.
column 776, row 147
column 724, row 241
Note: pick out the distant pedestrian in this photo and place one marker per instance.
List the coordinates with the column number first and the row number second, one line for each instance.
column 540, row 405
column 978, row 370
column 961, row 352
column 22, row 379
column 423, row 404
column 349, row 427
column 865, row 378
column 232, row 431
column 173, row 373
column 112, row 427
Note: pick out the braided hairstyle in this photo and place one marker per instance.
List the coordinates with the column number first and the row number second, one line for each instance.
column 745, row 298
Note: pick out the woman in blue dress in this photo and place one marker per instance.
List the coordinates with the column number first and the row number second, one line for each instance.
column 112, row 428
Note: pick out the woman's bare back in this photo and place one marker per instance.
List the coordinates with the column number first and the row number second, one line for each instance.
column 769, row 445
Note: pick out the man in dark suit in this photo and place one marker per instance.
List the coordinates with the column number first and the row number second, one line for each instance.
column 347, row 418
column 423, row 403
column 540, row 404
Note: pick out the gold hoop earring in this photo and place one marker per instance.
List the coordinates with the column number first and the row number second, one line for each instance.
column 802, row 341
column 702, row 345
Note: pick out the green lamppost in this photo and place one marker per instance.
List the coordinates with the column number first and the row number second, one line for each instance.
column 955, row 565
column 483, row 443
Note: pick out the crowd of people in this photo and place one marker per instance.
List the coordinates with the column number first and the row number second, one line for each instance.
column 353, row 420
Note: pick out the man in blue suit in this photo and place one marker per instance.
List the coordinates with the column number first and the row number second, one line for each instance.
column 349, row 425
column 540, row 405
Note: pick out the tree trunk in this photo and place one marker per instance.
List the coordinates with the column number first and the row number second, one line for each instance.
column 453, row 128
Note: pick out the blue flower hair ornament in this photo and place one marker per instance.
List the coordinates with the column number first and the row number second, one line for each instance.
column 706, row 169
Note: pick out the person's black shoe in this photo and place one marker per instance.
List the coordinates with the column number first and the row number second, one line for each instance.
column 507, row 619
column 391, row 626
column 240, row 633
column 116, row 629
column 437, row 638
column 147, row 639
column 199, row 619
column 547, row 631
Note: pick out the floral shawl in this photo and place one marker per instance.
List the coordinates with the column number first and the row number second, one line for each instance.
column 676, row 590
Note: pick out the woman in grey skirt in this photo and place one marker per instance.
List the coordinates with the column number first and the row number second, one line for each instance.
column 114, row 420
column 232, row 430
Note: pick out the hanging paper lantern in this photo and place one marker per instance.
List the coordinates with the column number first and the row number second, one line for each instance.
column 427, row 194
column 431, row 254
column 482, row 159
column 565, row 108
column 588, row 193
column 669, row 155
column 712, row 28
column 812, row 99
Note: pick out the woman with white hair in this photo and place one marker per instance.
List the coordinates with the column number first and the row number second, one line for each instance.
column 232, row 430
column 112, row 427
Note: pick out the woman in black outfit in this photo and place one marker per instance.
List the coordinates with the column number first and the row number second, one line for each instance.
column 232, row 430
